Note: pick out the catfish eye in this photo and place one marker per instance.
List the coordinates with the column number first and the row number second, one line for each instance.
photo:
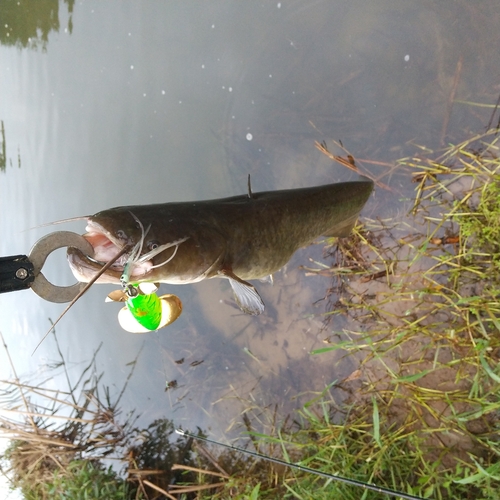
column 153, row 244
column 121, row 234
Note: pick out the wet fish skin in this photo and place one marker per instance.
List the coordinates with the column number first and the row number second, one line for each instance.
column 237, row 238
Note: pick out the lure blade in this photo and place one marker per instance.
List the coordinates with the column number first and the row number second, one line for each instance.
column 171, row 309
column 117, row 296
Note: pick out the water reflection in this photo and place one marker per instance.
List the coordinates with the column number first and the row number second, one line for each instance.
column 28, row 23
column 3, row 155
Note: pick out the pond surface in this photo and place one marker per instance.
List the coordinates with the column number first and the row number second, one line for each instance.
column 119, row 103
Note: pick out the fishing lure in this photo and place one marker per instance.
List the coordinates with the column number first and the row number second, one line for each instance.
column 145, row 311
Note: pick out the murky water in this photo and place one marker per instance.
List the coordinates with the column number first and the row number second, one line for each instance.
column 145, row 102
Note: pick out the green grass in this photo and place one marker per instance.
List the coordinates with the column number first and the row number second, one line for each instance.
column 79, row 480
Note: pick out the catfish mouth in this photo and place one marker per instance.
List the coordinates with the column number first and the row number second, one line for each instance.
column 106, row 247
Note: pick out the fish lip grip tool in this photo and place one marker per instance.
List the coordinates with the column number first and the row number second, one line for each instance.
column 20, row 272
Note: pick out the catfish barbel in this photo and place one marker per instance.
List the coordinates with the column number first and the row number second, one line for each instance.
column 239, row 238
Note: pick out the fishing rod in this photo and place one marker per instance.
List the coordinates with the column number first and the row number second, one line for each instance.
column 341, row 479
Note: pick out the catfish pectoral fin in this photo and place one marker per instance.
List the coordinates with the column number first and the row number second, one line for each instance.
column 247, row 297
column 245, row 294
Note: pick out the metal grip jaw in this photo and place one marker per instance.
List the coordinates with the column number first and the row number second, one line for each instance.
column 39, row 253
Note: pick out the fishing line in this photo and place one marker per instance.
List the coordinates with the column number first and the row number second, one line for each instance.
column 352, row 482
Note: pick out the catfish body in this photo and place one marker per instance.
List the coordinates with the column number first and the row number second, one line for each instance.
column 238, row 238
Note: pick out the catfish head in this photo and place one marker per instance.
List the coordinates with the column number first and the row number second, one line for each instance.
column 161, row 247
column 109, row 232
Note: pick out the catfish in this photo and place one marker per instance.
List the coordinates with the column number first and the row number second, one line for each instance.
column 238, row 238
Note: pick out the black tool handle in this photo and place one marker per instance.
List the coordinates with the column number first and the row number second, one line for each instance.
column 16, row 273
